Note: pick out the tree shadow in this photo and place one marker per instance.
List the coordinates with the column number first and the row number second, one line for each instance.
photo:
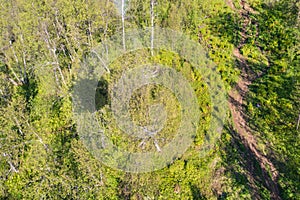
column 102, row 95
column 239, row 155
column 279, row 90
column 196, row 193
column 270, row 30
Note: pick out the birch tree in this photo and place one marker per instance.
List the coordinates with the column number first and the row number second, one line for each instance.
column 152, row 16
column 123, row 23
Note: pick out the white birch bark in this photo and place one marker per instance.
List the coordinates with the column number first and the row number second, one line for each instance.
column 152, row 24
column 123, row 24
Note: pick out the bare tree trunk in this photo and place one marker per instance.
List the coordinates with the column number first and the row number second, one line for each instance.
column 11, row 68
column 152, row 24
column 90, row 36
column 52, row 48
column 24, row 59
column 12, row 167
column 298, row 122
column 123, row 23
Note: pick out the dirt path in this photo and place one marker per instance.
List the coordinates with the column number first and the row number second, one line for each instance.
column 236, row 104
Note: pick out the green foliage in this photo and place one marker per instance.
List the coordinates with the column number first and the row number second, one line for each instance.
column 42, row 45
column 274, row 98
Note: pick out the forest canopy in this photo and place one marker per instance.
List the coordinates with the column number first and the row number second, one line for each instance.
column 254, row 46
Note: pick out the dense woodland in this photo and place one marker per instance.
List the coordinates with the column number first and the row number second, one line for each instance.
column 43, row 44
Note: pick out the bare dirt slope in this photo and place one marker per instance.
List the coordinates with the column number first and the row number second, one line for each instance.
column 242, row 130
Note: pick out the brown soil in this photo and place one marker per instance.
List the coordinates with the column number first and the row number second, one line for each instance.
column 244, row 133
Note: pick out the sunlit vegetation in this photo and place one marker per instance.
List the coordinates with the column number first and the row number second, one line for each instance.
column 42, row 46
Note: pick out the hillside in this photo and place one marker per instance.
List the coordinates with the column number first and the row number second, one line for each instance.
column 155, row 99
